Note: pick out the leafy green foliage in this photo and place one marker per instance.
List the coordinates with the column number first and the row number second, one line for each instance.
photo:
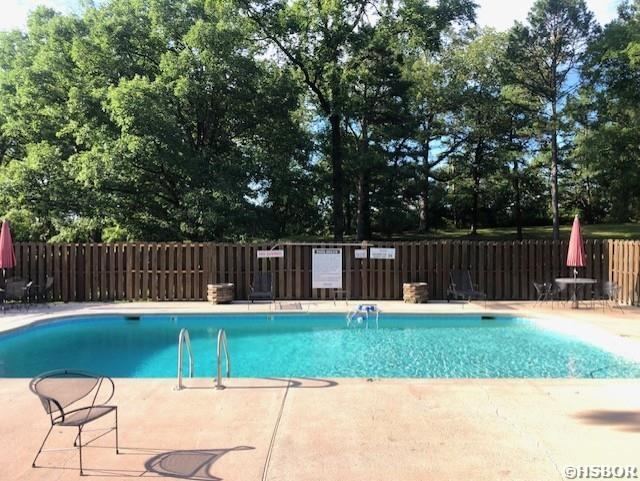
column 543, row 55
column 256, row 119
column 606, row 159
column 150, row 126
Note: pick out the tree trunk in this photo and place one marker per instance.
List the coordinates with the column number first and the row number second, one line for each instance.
column 423, row 225
column 518, row 206
column 476, row 188
column 424, row 205
column 363, row 223
column 554, row 174
column 96, row 235
column 476, row 202
column 337, row 178
column 363, row 227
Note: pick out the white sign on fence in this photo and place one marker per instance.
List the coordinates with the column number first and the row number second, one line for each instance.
column 360, row 253
column 326, row 267
column 383, row 253
column 270, row 254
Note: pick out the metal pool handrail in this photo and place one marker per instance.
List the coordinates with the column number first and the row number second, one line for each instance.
column 222, row 344
column 183, row 339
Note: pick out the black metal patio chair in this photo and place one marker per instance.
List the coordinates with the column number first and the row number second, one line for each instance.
column 16, row 292
column 64, row 394
column 560, row 294
column 609, row 297
column 544, row 291
column 39, row 293
column 262, row 287
column 461, row 287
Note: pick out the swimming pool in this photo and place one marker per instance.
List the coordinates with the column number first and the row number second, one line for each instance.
column 310, row 345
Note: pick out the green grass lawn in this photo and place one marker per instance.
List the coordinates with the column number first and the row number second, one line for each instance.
column 596, row 231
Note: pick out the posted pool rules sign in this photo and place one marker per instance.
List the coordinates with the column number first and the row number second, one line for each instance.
column 326, row 268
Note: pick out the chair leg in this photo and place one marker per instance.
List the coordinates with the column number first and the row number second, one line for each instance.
column 117, row 448
column 41, row 446
column 80, row 448
column 618, row 305
column 541, row 298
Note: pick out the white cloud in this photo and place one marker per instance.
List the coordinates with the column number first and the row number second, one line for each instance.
column 500, row 14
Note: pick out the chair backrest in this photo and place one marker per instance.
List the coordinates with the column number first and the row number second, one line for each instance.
column 43, row 291
column 461, row 280
column 539, row 287
column 15, row 287
column 61, row 388
column 610, row 289
column 262, row 282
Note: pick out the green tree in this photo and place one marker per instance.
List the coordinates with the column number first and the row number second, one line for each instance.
column 313, row 37
column 606, row 175
column 37, row 73
column 148, row 120
column 316, row 38
column 482, row 115
column 544, row 54
column 375, row 93
column 518, row 113
column 434, row 132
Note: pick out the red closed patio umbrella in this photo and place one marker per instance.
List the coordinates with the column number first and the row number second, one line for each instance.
column 576, row 255
column 7, row 255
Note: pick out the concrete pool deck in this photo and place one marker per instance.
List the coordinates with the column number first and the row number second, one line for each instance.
column 340, row 429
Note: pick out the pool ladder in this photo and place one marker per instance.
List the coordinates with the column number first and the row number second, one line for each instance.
column 183, row 340
column 222, row 345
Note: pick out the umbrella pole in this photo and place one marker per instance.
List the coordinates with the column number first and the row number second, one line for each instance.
column 575, row 287
column 2, row 286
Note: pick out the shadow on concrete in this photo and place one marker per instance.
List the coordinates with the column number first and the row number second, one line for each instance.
column 283, row 383
column 293, row 383
column 623, row 420
column 189, row 464
column 194, row 464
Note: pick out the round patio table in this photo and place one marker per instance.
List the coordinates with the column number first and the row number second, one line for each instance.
column 576, row 281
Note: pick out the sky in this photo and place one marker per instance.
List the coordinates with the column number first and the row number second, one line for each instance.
column 499, row 14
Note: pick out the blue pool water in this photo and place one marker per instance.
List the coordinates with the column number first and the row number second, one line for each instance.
column 310, row 345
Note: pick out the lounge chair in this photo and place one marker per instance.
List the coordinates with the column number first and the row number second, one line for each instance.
column 61, row 389
column 461, row 287
column 262, row 287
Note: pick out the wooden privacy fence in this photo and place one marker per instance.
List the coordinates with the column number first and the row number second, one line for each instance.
column 180, row 272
